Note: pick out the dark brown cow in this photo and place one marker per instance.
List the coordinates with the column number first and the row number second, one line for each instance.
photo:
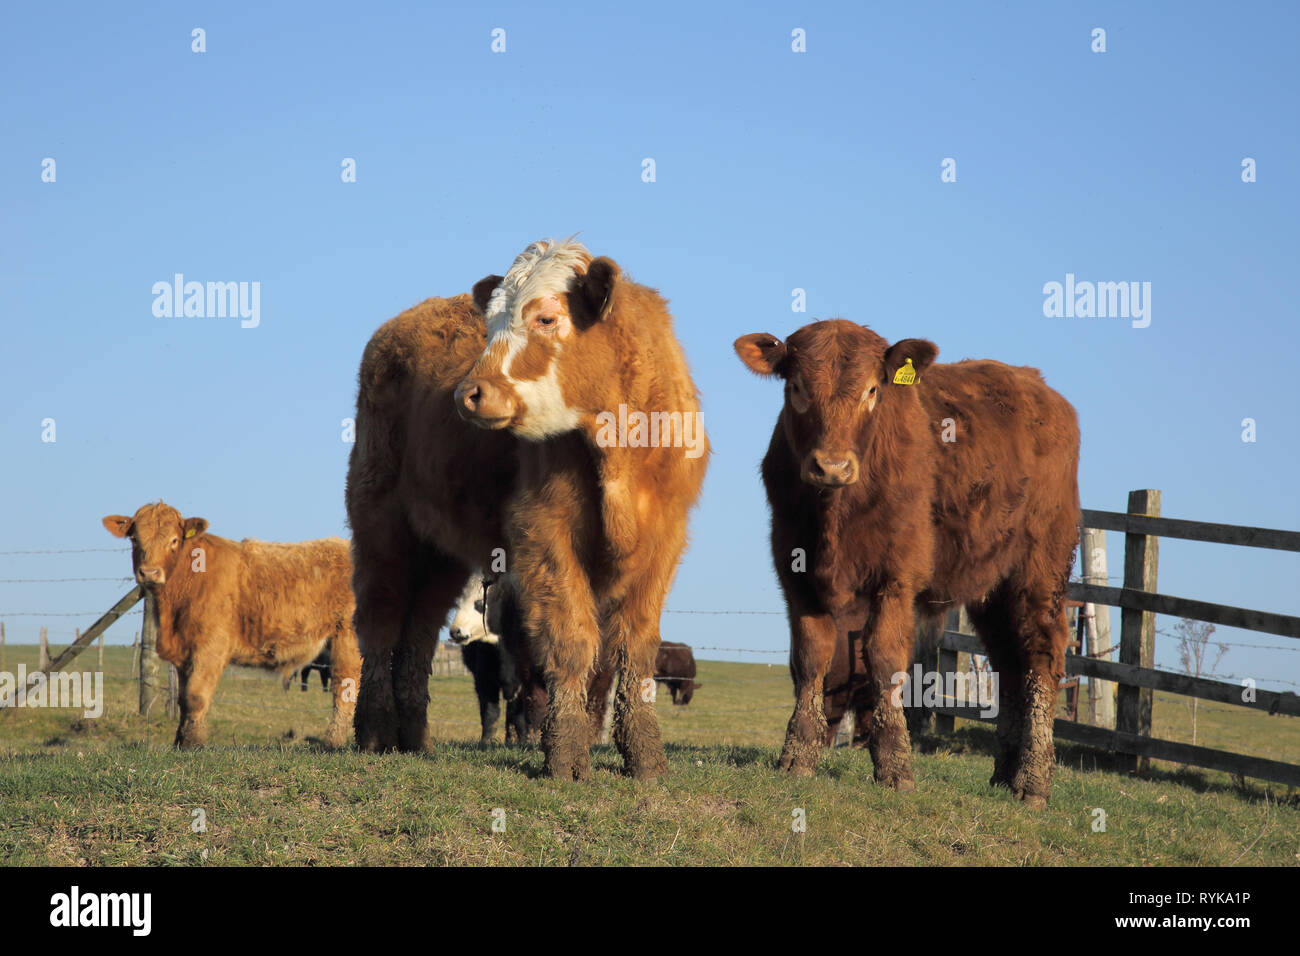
column 675, row 667
column 583, row 364
column 424, row 500
column 904, row 487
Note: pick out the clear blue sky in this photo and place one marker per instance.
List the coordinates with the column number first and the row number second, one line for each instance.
column 775, row 170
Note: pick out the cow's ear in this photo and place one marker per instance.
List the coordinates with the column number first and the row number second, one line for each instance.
column 594, row 291
column 921, row 353
column 119, row 526
column 195, row 527
column 762, row 353
column 483, row 290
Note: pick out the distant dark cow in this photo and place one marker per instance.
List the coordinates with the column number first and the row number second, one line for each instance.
column 899, row 487
column 675, row 668
column 320, row 665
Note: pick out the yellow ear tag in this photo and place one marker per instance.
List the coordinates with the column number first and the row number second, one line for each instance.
column 906, row 375
column 189, row 532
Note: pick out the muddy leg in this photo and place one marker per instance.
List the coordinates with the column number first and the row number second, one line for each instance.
column 198, row 683
column 345, row 666
column 887, row 648
column 812, row 644
column 636, row 725
column 440, row 580
column 996, row 628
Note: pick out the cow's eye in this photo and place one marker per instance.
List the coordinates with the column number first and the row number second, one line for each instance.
column 545, row 321
column 175, row 541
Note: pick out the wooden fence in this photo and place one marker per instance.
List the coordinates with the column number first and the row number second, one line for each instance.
column 1139, row 602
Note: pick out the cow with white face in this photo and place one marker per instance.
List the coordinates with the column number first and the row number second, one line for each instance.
column 487, row 660
column 597, row 523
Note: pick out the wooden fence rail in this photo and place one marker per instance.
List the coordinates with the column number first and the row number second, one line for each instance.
column 1134, row 673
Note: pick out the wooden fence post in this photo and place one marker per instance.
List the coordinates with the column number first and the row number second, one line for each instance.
column 956, row 620
column 149, row 680
column 45, row 649
column 1101, row 693
column 135, row 654
column 1137, row 636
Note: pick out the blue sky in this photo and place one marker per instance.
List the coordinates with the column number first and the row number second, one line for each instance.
column 775, row 170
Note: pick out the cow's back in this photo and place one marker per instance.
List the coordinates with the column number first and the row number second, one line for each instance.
column 411, row 445
column 1007, row 451
column 301, row 589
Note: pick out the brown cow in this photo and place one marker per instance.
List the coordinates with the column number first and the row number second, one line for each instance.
column 424, row 499
column 908, row 488
column 219, row 602
column 675, row 666
column 583, row 364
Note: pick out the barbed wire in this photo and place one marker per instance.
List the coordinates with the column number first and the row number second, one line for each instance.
column 677, row 611
column 59, row 580
column 70, row 551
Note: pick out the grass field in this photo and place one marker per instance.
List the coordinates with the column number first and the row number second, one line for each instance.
column 111, row 791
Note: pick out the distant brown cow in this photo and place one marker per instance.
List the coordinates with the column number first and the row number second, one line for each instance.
column 425, row 492
column 219, row 602
column 583, row 364
column 675, row 666
column 907, row 488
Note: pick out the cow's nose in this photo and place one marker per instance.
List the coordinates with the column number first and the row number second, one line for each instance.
column 457, row 635
column 484, row 403
column 833, row 469
column 152, row 575
column 468, row 395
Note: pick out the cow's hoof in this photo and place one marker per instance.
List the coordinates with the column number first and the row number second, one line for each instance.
column 1034, row 801
column 899, row 784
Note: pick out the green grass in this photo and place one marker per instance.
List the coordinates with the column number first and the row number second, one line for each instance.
column 111, row 791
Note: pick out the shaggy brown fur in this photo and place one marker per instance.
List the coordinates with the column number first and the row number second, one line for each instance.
column 424, row 498
column 220, row 602
column 596, row 533
column 894, row 520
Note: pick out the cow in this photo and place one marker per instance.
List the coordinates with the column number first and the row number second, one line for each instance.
column 424, row 500
column 497, row 658
column 675, row 667
column 906, row 487
column 321, row 665
column 254, row 603
column 494, row 647
column 582, row 366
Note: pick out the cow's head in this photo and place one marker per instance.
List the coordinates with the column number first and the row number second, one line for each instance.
column 839, row 381
column 469, row 624
column 157, row 533
column 535, row 377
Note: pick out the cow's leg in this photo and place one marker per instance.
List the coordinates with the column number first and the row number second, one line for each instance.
column 560, row 619
column 198, row 679
column 440, row 580
column 345, row 671
column 633, row 645
column 887, row 651
column 994, row 625
column 812, row 645
column 487, row 688
column 1044, row 637
column 383, row 555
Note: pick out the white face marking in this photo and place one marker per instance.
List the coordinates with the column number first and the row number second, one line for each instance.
column 543, row 272
column 470, row 613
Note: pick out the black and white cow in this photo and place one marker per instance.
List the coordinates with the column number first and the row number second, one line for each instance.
column 489, row 631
